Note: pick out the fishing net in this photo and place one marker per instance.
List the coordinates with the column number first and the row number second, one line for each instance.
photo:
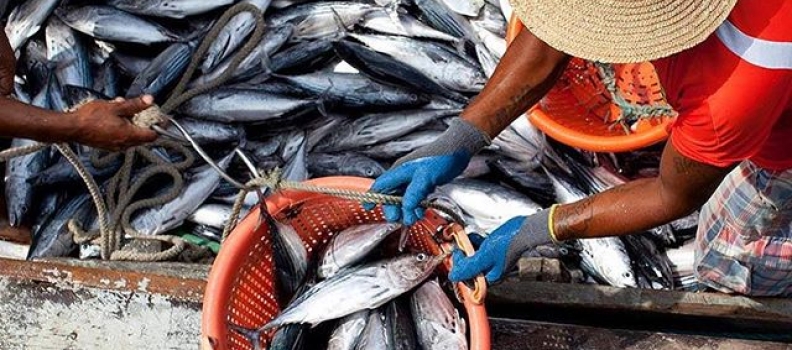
column 242, row 283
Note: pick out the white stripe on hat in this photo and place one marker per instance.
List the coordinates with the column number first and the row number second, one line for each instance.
column 759, row 52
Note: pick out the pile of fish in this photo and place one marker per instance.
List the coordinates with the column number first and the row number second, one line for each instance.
column 333, row 88
column 361, row 295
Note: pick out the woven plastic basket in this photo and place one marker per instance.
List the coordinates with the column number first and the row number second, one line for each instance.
column 241, row 283
column 580, row 111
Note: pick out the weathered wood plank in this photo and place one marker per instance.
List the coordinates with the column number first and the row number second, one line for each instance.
column 519, row 335
column 775, row 310
column 47, row 315
column 179, row 281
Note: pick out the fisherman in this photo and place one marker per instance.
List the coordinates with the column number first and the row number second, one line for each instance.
column 100, row 124
column 726, row 68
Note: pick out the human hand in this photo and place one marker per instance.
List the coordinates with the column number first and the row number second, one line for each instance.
column 418, row 173
column 501, row 250
column 108, row 124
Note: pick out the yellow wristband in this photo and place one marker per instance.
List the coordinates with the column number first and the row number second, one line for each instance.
column 550, row 224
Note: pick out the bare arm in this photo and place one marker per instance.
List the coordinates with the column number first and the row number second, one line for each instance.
column 682, row 187
column 99, row 124
column 524, row 75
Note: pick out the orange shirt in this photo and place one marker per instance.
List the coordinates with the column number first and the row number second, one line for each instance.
column 733, row 92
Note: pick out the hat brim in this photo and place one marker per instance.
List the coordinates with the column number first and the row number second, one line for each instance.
column 622, row 31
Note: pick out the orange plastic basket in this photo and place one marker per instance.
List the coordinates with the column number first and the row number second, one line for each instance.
column 242, row 279
column 579, row 110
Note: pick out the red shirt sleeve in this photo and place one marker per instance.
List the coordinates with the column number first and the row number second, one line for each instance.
column 727, row 107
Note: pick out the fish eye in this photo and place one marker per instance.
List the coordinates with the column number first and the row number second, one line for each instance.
column 422, row 257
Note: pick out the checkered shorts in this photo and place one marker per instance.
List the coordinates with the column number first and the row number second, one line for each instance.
column 744, row 240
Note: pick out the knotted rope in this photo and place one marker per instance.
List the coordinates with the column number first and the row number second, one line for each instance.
column 116, row 209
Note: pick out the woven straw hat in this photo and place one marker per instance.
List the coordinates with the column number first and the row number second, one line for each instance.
column 622, row 31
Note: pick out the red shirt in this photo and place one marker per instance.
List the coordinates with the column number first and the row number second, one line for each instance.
column 733, row 92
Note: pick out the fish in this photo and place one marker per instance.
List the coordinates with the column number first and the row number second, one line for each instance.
column 354, row 90
column 303, row 56
column 367, row 286
column 35, row 66
column 263, row 149
column 376, row 128
column 53, row 239
column 351, row 245
column 255, row 62
column 437, row 323
column 76, row 95
column 343, row 164
column 232, row 36
column 106, row 79
column 317, row 20
column 488, row 205
column 347, row 332
column 229, row 105
column 434, row 60
column 388, row 70
column 26, row 20
column 290, row 256
column 605, row 259
column 683, row 264
column 212, row 215
column 390, row 22
column 470, row 8
column 48, row 204
column 290, row 337
column 399, row 324
column 651, row 266
column 163, row 71
column 62, row 173
column 491, row 19
column 67, row 51
column 56, row 99
column 111, row 24
column 206, row 132
column 402, row 146
column 296, row 168
column 19, row 192
column 168, row 8
column 289, row 143
column 375, row 334
column 199, row 183
column 130, row 64
column 526, row 178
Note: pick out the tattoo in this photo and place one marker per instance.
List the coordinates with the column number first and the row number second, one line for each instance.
column 574, row 220
column 518, row 103
column 684, row 166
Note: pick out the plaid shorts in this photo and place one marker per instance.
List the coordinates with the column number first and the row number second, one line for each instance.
column 744, row 240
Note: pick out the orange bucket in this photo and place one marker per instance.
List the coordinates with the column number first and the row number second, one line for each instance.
column 579, row 110
column 241, row 284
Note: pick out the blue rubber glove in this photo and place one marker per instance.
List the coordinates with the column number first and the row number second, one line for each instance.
column 418, row 173
column 501, row 250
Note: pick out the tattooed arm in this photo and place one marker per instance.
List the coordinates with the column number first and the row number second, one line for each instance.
column 524, row 75
column 682, row 187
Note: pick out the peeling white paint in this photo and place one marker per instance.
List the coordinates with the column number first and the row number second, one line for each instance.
column 90, row 318
column 143, row 284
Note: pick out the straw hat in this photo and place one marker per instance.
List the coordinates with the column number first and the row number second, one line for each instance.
column 622, row 31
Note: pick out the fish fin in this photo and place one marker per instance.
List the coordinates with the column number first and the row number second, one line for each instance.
column 321, row 107
column 343, row 31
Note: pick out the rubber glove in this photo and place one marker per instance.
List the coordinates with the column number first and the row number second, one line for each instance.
column 501, row 250
column 418, row 173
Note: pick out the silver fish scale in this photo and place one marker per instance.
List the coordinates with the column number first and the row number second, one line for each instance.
column 366, row 287
column 438, row 323
column 351, row 245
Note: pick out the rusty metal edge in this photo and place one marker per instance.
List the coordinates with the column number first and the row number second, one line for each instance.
column 104, row 277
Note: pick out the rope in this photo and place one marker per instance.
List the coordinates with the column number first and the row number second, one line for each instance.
column 117, row 208
column 275, row 183
column 630, row 112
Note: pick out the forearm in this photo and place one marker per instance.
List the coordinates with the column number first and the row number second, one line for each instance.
column 633, row 207
column 525, row 74
column 21, row 120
